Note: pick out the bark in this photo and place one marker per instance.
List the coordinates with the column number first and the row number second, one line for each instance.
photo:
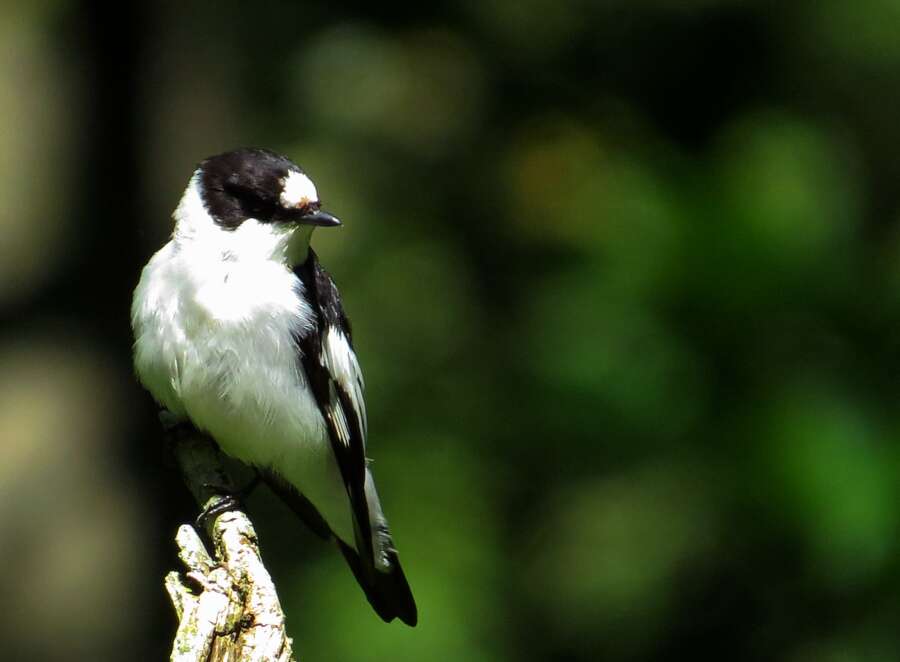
column 225, row 601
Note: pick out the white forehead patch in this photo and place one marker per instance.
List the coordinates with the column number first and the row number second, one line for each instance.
column 298, row 190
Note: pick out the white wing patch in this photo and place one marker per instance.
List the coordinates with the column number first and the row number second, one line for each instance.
column 340, row 361
column 335, row 413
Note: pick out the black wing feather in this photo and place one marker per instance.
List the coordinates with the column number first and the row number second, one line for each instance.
column 386, row 587
column 325, row 299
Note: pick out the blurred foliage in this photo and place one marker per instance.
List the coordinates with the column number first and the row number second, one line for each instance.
column 624, row 279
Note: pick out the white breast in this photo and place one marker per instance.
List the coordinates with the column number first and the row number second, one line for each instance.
column 214, row 342
column 218, row 349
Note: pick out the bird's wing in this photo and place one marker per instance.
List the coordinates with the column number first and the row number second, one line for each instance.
column 336, row 381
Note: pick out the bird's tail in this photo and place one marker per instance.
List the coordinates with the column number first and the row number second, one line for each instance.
column 387, row 590
column 375, row 566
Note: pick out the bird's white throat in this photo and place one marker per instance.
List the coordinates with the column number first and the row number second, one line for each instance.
column 197, row 232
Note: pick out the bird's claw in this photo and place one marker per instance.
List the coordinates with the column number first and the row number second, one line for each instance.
column 223, row 504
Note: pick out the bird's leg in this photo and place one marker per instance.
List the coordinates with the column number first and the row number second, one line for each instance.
column 222, row 503
column 223, row 495
column 224, row 498
column 240, row 494
column 228, row 499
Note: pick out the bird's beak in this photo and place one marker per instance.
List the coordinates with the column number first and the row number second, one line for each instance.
column 320, row 218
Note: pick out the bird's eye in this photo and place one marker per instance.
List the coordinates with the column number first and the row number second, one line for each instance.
column 250, row 200
column 240, row 191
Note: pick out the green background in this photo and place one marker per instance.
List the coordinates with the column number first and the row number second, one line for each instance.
column 624, row 280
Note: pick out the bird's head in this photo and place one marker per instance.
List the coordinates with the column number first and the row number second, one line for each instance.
column 251, row 198
column 262, row 185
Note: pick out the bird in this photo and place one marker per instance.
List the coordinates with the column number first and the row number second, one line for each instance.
column 240, row 332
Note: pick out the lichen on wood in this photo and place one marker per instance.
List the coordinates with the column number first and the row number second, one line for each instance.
column 224, row 598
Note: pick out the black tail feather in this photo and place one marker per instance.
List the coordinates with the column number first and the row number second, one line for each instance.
column 387, row 592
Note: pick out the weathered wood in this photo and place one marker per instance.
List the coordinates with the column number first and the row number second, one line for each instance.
column 226, row 603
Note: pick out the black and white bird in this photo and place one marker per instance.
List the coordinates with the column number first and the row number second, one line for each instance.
column 240, row 331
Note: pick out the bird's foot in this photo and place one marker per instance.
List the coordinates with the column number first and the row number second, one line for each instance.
column 223, row 503
column 227, row 500
column 228, row 491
